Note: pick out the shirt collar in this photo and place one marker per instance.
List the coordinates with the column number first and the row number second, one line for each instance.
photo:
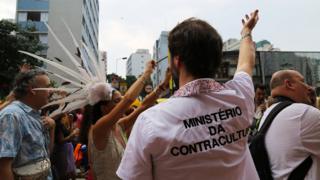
column 198, row 86
column 25, row 107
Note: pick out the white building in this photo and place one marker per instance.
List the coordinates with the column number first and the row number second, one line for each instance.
column 265, row 45
column 160, row 54
column 231, row 45
column 137, row 61
column 234, row 45
column 103, row 58
column 83, row 19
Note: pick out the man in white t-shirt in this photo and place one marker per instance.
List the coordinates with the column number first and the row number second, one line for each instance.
column 295, row 132
column 200, row 132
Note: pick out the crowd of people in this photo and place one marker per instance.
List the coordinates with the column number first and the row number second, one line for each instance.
column 205, row 130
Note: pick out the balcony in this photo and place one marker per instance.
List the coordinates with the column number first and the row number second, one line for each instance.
column 38, row 25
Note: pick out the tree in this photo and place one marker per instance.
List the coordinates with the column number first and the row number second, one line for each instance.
column 130, row 80
column 13, row 39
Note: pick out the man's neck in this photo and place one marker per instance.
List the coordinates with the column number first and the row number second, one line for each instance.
column 30, row 103
column 282, row 98
column 184, row 78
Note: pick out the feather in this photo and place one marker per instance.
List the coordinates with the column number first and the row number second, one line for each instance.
column 63, row 78
column 58, row 66
column 70, row 107
column 56, row 112
column 79, row 95
column 93, row 60
column 71, row 34
column 92, row 75
column 88, row 63
column 102, row 70
column 75, row 105
column 64, row 89
column 73, row 60
column 87, row 73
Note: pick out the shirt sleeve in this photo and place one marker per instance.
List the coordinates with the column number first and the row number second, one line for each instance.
column 310, row 131
column 10, row 135
column 243, row 85
column 136, row 163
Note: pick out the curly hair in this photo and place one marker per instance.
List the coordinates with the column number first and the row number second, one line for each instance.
column 23, row 80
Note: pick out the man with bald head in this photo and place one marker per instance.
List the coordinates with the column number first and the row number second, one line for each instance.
column 294, row 134
column 290, row 83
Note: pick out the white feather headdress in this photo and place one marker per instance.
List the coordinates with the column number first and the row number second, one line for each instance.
column 90, row 84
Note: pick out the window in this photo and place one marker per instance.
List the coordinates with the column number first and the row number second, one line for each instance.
column 43, row 38
column 33, row 16
column 22, row 16
column 44, row 17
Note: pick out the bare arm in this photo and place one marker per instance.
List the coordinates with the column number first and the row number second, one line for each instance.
column 51, row 125
column 8, row 100
column 247, row 56
column 69, row 138
column 105, row 123
column 127, row 122
column 6, row 170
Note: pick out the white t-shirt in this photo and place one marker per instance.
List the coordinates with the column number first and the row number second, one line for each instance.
column 293, row 136
column 187, row 138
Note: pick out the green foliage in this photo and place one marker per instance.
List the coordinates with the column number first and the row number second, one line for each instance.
column 130, row 80
column 13, row 39
column 112, row 78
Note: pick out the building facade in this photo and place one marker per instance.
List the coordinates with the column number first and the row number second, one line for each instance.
column 104, row 59
column 234, row 45
column 268, row 62
column 33, row 14
column 136, row 62
column 82, row 17
column 160, row 54
column 231, row 45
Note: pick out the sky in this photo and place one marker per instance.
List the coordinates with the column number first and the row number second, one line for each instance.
column 127, row 25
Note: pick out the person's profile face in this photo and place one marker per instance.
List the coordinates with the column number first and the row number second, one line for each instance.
column 259, row 96
column 42, row 96
column 303, row 90
column 148, row 88
column 116, row 98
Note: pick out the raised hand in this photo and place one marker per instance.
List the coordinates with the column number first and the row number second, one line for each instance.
column 150, row 65
column 48, row 122
column 165, row 82
column 249, row 23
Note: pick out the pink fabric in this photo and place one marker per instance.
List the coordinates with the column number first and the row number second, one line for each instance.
column 199, row 86
column 89, row 175
column 79, row 120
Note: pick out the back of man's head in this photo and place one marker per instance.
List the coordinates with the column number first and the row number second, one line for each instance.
column 279, row 77
column 23, row 81
column 290, row 83
column 198, row 46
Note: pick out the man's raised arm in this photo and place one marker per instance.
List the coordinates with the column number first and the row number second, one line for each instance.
column 247, row 52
